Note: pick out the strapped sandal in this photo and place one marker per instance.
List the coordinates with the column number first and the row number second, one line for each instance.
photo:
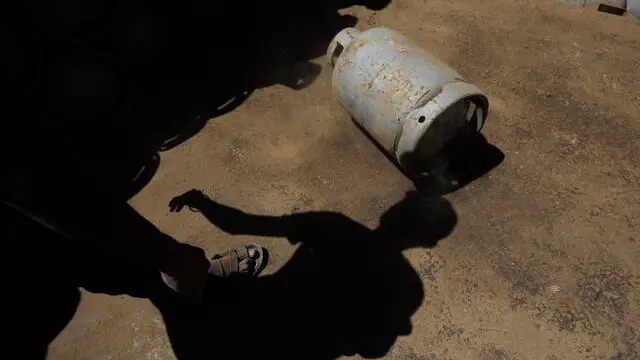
column 228, row 263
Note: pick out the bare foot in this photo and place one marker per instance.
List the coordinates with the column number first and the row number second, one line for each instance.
column 242, row 260
column 248, row 265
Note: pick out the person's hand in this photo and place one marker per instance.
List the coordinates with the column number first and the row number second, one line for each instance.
column 195, row 200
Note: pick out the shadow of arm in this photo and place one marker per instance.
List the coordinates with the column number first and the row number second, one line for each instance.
column 229, row 219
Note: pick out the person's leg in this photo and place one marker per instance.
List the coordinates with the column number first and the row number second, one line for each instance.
column 119, row 232
column 119, row 229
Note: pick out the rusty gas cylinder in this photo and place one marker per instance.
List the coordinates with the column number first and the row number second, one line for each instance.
column 407, row 100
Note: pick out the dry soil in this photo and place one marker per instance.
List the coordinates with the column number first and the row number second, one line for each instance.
column 544, row 262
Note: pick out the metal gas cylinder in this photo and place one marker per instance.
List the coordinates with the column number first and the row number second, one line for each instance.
column 406, row 99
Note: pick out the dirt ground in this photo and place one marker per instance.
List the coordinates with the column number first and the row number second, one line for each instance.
column 544, row 258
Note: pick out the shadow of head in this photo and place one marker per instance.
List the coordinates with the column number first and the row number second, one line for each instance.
column 363, row 291
column 419, row 220
column 391, row 290
column 383, row 288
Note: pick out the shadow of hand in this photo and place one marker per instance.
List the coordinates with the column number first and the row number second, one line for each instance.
column 194, row 199
column 228, row 219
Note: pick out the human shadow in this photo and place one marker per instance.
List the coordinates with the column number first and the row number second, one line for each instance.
column 346, row 290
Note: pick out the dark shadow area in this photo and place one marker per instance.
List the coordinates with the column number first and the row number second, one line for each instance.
column 44, row 271
column 467, row 157
column 42, row 297
column 464, row 160
column 96, row 90
column 112, row 83
column 92, row 92
column 346, row 290
column 36, row 316
column 462, row 153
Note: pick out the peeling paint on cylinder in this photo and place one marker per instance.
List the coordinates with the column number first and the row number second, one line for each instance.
column 398, row 93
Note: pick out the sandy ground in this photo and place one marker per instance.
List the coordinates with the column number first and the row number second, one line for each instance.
column 544, row 261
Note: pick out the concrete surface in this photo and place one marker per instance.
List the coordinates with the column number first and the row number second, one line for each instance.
column 544, row 262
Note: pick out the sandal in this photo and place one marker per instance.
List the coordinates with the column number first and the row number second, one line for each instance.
column 227, row 263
